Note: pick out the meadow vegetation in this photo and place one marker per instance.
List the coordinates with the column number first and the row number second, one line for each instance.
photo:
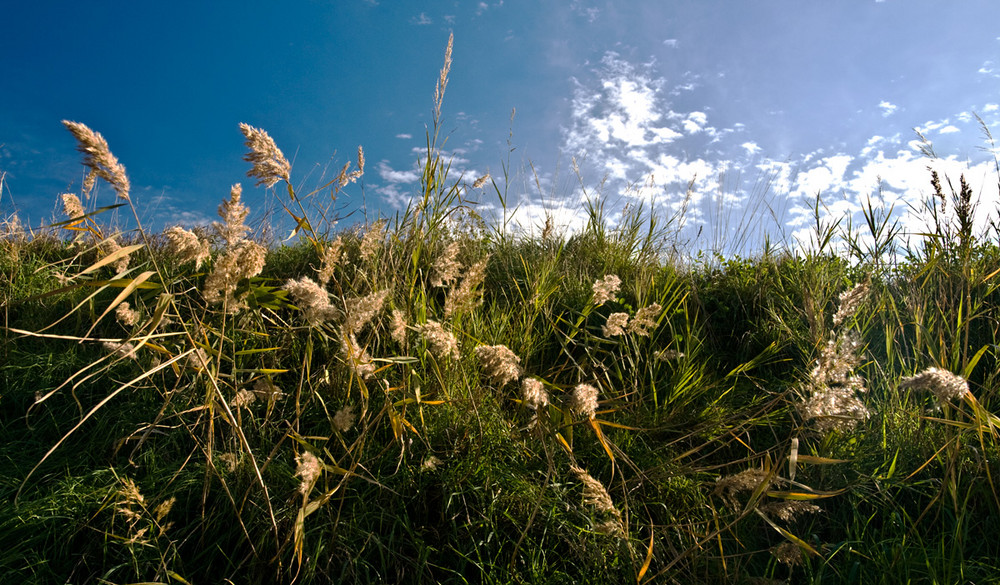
column 431, row 398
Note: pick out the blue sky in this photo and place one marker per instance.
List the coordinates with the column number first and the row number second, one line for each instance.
column 798, row 96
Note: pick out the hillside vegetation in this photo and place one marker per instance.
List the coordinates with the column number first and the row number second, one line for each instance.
column 429, row 398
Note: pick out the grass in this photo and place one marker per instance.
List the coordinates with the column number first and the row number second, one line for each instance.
column 757, row 419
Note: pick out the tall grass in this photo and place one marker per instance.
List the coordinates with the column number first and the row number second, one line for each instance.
column 429, row 398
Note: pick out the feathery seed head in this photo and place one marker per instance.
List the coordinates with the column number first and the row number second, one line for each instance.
column 343, row 420
column 97, row 156
column 850, row 300
column 398, row 330
column 945, row 385
column 499, row 363
column 373, row 239
column 312, row 299
column 584, row 400
column 789, row 510
column 747, row 480
column 122, row 350
column 443, row 77
column 447, row 266
column 186, row 246
column 308, row 468
column 595, row 494
column 533, row 393
column 787, row 553
column 110, row 246
column 645, row 320
column 72, row 206
column 615, row 325
column 605, row 289
column 264, row 389
column 331, row 257
column 126, row 315
column 269, row 164
column 466, row 297
column 359, row 311
column 246, row 260
column 234, row 213
column 443, row 343
column 481, row 181
column 358, row 359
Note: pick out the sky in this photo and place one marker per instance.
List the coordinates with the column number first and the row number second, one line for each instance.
column 726, row 117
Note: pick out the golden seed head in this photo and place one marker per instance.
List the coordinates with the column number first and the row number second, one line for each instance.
column 97, row 156
column 269, row 164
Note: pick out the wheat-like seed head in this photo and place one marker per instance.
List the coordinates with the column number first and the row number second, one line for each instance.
column 269, row 164
column 233, row 212
column 72, row 206
column 186, row 246
column 97, row 156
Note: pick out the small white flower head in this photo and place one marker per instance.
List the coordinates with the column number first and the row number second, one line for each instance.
column 584, row 400
column 615, row 325
column 606, row 288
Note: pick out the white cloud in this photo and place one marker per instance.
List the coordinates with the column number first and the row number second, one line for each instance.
column 888, row 109
column 421, row 19
column 751, row 147
column 949, row 129
column 672, row 43
column 391, row 175
column 404, row 136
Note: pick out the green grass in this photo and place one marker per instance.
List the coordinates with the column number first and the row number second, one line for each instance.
column 156, row 467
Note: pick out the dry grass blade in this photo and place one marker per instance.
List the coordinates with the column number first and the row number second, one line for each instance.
column 124, row 294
